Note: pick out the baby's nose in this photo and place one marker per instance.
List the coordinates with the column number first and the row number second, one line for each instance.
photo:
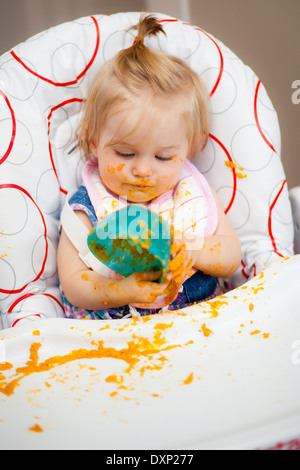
column 142, row 169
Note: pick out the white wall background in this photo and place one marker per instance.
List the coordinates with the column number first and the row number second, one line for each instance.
column 265, row 34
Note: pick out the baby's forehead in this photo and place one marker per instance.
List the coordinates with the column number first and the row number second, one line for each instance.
column 148, row 107
column 135, row 125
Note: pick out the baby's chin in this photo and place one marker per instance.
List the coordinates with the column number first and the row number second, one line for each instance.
column 142, row 199
column 141, row 196
column 139, row 201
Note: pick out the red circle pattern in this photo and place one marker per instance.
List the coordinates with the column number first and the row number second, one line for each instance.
column 72, row 82
column 20, row 289
column 13, row 133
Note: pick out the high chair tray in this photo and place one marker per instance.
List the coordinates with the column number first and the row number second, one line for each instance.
column 224, row 374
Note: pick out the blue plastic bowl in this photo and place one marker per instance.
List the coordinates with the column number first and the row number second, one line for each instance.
column 132, row 239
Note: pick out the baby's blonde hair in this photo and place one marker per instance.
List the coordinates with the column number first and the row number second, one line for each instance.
column 139, row 69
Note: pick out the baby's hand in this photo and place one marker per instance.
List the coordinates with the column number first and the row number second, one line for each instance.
column 179, row 269
column 181, row 262
column 142, row 288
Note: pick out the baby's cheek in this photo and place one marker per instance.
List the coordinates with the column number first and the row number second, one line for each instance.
column 110, row 174
column 111, row 169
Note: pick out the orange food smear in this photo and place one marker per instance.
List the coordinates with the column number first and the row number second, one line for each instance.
column 163, row 326
column 233, row 166
column 206, row 331
column 215, row 305
column 175, row 266
column 36, row 428
column 240, row 175
column 230, row 164
column 159, row 339
column 189, row 379
column 256, row 289
column 5, row 366
column 114, row 379
column 138, row 348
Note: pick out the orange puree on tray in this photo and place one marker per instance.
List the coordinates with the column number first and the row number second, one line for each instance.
column 36, row 428
column 189, row 379
column 137, row 348
column 206, row 331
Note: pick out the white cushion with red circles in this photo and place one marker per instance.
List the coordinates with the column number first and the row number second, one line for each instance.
column 42, row 84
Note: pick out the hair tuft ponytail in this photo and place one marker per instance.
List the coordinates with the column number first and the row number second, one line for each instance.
column 146, row 27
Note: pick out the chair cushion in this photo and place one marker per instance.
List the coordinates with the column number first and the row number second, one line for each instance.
column 42, row 84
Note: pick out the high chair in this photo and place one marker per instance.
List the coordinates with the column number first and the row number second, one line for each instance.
column 224, row 374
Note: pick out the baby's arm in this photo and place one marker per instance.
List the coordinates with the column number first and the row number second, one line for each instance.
column 89, row 290
column 221, row 252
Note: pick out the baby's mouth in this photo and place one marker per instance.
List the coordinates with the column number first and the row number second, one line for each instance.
column 141, row 184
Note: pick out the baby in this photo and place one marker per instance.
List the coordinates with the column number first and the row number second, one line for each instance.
column 145, row 118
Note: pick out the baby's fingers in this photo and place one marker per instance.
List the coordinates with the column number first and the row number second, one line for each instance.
column 147, row 276
column 176, row 247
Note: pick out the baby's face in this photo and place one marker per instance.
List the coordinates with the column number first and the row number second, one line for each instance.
column 141, row 153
